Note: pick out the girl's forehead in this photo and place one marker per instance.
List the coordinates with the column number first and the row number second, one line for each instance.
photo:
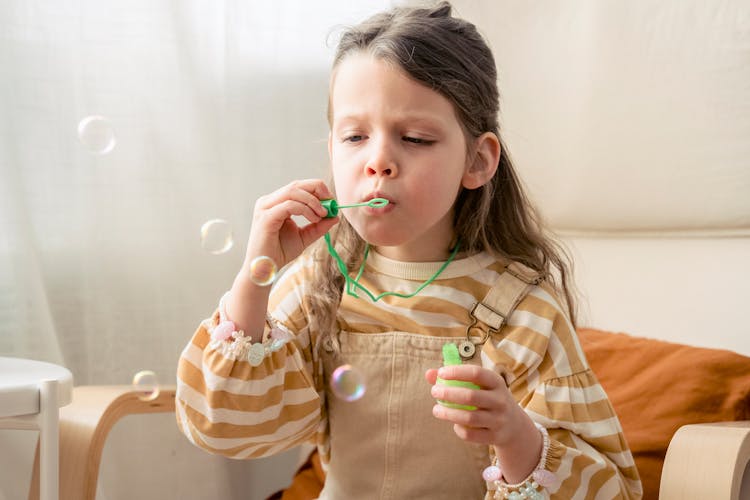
column 362, row 68
column 362, row 84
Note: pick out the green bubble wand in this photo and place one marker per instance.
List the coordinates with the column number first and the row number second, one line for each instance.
column 333, row 207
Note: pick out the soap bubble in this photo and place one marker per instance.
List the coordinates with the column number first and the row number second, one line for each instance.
column 348, row 383
column 217, row 236
column 96, row 134
column 146, row 385
column 263, row 270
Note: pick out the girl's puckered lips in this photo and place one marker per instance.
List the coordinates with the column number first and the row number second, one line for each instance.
column 377, row 194
column 378, row 210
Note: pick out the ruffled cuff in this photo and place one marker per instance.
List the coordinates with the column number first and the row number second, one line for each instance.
column 555, row 454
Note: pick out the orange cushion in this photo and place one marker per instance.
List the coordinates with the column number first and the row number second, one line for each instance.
column 308, row 482
column 657, row 387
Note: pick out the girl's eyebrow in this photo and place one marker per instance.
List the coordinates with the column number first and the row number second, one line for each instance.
column 429, row 120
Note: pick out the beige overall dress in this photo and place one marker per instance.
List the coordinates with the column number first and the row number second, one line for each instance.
column 388, row 445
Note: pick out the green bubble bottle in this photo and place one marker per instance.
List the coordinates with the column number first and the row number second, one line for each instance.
column 450, row 358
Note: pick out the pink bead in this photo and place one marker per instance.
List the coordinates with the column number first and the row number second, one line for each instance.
column 223, row 330
column 492, row 473
column 544, row 477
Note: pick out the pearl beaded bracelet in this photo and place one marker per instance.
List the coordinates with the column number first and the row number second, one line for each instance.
column 242, row 347
column 530, row 488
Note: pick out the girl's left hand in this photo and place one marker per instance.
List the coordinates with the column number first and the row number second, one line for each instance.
column 498, row 417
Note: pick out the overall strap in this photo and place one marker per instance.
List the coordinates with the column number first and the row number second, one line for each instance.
column 494, row 310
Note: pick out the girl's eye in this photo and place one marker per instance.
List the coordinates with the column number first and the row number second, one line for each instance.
column 417, row 140
column 353, row 138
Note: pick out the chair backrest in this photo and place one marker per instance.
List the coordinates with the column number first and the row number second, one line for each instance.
column 630, row 123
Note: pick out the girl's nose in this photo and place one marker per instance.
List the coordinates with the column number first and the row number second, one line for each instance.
column 378, row 170
column 381, row 163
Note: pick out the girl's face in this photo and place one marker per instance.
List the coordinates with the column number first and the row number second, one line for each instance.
column 394, row 138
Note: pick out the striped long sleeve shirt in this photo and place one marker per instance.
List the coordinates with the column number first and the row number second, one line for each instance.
column 227, row 406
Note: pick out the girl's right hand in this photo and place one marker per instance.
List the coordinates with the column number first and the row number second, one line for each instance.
column 275, row 235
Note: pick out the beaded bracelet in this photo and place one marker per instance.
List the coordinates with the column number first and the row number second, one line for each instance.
column 241, row 346
column 530, row 488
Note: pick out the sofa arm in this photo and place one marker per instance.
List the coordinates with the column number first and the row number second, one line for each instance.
column 707, row 461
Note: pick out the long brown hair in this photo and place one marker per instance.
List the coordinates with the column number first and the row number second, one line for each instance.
column 448, row 55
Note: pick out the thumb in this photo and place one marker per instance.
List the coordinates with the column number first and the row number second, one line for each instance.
column 312, row 232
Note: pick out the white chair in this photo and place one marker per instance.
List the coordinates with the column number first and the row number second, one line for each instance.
column 31, row 394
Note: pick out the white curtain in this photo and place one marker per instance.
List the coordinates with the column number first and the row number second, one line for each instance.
column 212, row 103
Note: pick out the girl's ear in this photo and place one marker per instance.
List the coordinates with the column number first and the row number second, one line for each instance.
column 481, row 168
column 329, row 145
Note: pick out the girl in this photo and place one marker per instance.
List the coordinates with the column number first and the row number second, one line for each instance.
column 413, row 119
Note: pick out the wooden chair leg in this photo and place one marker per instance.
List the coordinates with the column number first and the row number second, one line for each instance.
column 84, row 426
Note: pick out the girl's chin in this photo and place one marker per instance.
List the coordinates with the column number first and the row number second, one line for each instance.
column 382, row 237
column 391, row 234
column 402, row 247
column 386, row 235
column 383, row 242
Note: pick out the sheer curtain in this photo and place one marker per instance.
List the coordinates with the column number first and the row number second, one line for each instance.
column 101, row 264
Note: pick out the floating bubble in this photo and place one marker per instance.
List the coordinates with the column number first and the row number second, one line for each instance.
column 146, row 385
column 217, row 236
column 263, row 270
column 97, row 135
column 348, row 383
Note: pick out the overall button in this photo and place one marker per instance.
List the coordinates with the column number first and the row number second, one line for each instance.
column 467, row 349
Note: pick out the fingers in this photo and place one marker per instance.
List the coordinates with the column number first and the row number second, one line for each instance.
column 315, row 187
column 484, row 378
column 473, row 434
column 299, row 198
column 470, row 425
column 481, row 399
column 491, row 395
column 275, row 234
column 493, row 402
column 479, row 426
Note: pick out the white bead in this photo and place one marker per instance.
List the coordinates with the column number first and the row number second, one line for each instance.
column 255, row 354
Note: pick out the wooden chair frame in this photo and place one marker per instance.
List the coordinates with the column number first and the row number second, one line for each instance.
column 84, row 426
